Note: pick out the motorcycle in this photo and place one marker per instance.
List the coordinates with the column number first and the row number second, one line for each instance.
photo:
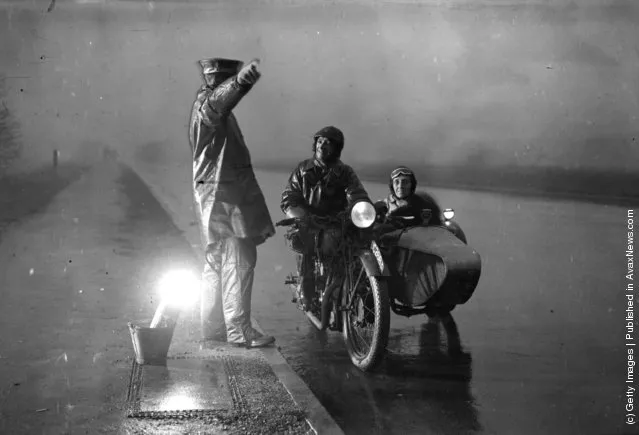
column 361, row 274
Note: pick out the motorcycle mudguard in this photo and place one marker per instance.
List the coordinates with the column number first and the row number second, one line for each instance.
column 375, row 263
column 432, row 260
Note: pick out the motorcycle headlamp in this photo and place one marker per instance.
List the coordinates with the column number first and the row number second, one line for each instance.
column 363, row 214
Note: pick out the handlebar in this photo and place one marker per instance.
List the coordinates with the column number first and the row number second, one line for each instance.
column 286, row 222
column 311, row 220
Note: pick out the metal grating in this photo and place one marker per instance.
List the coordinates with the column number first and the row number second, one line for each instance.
column 140, row 404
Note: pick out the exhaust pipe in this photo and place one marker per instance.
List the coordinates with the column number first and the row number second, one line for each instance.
column 323, row 324
column 314, row 320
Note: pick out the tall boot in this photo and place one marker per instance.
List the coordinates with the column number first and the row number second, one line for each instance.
column 238, row 271
column 307, row 280
column 211, row 314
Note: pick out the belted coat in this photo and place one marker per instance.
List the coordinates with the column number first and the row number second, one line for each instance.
column 229, row 201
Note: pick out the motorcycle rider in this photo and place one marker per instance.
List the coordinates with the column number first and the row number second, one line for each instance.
column 322, row 186
column 233, row 215
column 404, row 201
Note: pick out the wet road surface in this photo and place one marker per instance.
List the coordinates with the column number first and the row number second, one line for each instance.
column 72, row 275
column 22, row 195
column 539, row 348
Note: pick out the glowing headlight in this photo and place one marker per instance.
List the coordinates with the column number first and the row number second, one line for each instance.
column 179, row 288
column 449, row 213
column 363, row 214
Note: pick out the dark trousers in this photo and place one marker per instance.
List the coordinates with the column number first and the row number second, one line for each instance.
column 302, row 243
column 305, row 264
column 228, row 286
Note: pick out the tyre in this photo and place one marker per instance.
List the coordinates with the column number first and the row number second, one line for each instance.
column 366, row 315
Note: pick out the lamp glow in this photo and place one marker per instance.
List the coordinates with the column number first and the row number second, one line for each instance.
column 449, row 213
column 179, row 288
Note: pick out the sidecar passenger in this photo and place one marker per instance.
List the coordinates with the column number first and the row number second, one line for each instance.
column 404, row 200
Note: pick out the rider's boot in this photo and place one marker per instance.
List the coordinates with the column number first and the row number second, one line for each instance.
column 306, row 286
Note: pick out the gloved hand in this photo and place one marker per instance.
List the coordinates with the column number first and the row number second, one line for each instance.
column 249, row 74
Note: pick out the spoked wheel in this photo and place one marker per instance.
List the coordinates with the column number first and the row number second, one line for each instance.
column 366, row 316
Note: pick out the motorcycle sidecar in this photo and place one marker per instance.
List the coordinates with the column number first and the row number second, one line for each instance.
column 431, row 270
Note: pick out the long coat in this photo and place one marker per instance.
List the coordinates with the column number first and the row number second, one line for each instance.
column 229, row 201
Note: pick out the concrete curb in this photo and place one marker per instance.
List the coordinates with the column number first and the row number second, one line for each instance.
column 317, row 416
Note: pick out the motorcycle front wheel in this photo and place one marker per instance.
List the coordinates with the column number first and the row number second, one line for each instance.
column 366, row 315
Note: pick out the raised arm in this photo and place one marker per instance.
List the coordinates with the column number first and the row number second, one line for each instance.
column 222, row 99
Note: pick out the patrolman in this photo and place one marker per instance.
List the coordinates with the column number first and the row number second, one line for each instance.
column 232, row 212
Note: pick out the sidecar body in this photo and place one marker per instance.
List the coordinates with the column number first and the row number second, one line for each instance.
column 430, row 268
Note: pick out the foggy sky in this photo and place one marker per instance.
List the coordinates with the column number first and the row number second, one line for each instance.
column 492, row 82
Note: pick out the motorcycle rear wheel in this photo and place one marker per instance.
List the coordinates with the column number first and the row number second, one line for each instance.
column 370, row 308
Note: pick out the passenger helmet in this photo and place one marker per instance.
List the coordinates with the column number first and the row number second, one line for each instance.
column 403, row 170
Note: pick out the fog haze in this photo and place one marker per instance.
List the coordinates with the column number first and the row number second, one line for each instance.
column 529, row 83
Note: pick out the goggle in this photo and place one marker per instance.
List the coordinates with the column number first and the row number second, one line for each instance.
column 323, row 140
column 401, row 171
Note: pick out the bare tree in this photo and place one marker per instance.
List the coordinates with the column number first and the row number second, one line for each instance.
column 10, row 145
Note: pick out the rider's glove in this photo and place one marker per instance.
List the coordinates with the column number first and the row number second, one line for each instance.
column 249, row 74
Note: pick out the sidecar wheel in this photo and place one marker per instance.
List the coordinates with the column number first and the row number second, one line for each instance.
column 366, row 323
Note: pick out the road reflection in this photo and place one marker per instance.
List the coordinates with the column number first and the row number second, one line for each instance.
column 439, row 349
column 424, row 384
column 437, row 377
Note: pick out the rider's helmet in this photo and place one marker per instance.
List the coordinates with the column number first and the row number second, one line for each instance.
column 334, row 134
column 403, row 170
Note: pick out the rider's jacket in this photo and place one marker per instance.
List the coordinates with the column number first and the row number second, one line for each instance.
column 415, row 205
column 322, row 190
